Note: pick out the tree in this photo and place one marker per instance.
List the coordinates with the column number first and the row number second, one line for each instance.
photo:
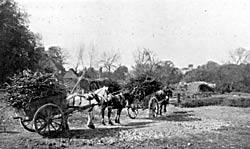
column 148, row 64
column 227, row 77
column 80, row 58
column 17, row 42
column 145, row 62
column 120, row 73
column 49, row 63
column 240, row 56
column 109, row 60
column 92, row 55
column 57, row 54
column 167, row 73
column 91, row 73
column 210, row 65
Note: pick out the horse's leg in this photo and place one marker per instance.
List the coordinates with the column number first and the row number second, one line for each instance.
column 165, row 106
column 109, row 115
column 118, row 114
column 90, row 123
column 116, row 117
column 160, row 110
column 65, row 126
column 103, row 113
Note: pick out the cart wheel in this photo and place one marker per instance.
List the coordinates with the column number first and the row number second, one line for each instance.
column 133, row 111
column 48, row 120
column 153, row 107
column 27, row 124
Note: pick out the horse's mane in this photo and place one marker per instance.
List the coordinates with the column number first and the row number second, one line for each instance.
column 100, row 90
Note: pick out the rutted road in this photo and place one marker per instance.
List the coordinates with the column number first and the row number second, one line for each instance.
column 204, row 127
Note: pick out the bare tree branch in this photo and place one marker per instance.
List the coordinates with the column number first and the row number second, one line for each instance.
column 109, row 60
column 92, row 55
column 239, row 55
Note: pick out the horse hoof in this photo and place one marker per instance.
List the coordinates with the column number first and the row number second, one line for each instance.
column 111, row 123
column 116, row 121
column 91, row 126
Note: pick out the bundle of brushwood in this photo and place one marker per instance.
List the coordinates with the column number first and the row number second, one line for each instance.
column 142, row 86
column 27, row 86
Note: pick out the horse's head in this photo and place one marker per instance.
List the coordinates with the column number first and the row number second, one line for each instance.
column 168, row 91
column 128, row 96
column 102, row 92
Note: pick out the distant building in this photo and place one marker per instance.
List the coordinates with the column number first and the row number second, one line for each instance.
column 187, row 69
column 200, row 86
column 197, row 88
column 49, row 64
column 70, row 79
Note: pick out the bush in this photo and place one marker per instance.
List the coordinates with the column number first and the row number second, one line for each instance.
column 201, row 102
column 241, row 102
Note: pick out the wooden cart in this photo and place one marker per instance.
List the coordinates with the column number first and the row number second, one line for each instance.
column 47, row 116
column 144, row 102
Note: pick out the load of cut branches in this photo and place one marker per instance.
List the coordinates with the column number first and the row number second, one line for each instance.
column 142, row 86
column 27, row 86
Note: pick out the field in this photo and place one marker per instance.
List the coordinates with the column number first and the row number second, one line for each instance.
column 200, row 127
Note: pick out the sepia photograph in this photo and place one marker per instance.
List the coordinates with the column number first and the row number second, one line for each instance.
column 124, row 74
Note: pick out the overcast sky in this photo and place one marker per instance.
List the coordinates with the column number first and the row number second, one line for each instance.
column 183, row 31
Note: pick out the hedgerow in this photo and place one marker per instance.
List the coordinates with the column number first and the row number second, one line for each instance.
column 223, row 101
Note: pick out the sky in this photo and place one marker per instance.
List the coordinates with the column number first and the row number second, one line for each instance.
column 182, row 31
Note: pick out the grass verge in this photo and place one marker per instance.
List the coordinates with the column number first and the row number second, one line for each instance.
column 218, row 100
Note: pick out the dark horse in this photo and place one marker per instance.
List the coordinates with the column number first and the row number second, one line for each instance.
column 118, row 102
column 162, row 97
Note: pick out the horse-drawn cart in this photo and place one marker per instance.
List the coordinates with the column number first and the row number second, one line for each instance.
column 48, row 116
column 44, row 116
column 152, row 102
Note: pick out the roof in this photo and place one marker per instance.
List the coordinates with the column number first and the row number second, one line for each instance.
column 200, row 86
column 70, row 74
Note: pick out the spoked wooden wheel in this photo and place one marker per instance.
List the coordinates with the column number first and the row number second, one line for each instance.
column 48, row 120
column 153, row 107
column 27, row 124
column 133, row 111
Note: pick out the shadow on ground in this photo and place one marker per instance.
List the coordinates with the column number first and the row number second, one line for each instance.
column 9, row 132
column 100, row 132
column 178, row 116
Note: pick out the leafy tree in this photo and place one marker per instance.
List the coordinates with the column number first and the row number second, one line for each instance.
column 227, row 77
column 120, row 73
column 17, row 42
column 91, row 73
column 49, row 62
column 57, row 54
column 167, row 73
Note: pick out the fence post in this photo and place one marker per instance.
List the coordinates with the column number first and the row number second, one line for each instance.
column 178, row 98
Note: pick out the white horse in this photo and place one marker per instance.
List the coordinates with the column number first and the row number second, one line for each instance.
column 87, row 102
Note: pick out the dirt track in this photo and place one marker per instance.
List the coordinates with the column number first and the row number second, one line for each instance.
column 205, row 127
